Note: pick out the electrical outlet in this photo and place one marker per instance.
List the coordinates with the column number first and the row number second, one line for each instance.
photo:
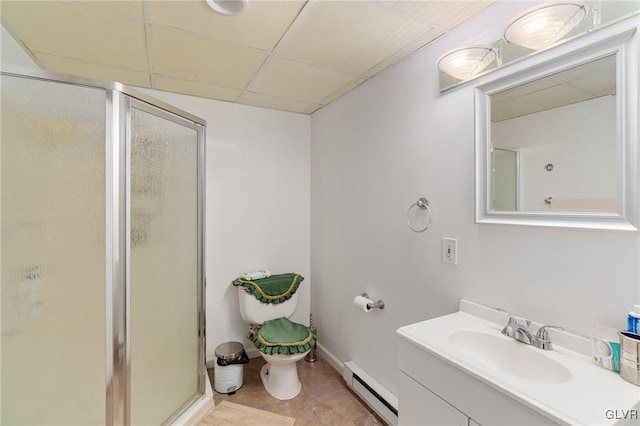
column 450, row 250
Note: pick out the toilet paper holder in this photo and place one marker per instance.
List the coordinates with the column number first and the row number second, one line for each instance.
column 375, row 305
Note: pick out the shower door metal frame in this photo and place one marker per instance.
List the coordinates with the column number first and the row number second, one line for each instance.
column 119, row 98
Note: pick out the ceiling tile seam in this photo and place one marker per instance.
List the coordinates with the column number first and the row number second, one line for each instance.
column 105, row 11
column 173, row 77
column 239, row 45
column 304, row 62
column 272, row 108
column 279, row 97
column 24, row 47
column 455, row 15
column 313, row 109
column 255, row 75
column 293, row 22
column 209, row 38
column 149, row 42
column 418, row 20
column 243, row 102
column 89, row 62
column 255, row 49
column 271, row 54
column 578, row 89
column 323, row 101
column 301, row 61
column 367, row 75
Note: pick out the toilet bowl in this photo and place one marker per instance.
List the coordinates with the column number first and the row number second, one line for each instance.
column 280, row 374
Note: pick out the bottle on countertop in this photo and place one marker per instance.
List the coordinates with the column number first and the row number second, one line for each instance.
column 633, row 320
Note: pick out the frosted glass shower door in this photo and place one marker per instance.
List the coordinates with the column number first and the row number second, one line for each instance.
column 52, row 230
column 164, row 264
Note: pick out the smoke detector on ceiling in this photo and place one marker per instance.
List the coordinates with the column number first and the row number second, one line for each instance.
column 228, row 7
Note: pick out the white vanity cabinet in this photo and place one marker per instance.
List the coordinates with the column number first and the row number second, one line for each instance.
column 419, row 406
column 433, row 392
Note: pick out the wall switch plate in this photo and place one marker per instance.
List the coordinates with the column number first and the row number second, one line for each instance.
column 450, row 250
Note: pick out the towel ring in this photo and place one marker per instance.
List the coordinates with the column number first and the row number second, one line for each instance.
column 422, row 204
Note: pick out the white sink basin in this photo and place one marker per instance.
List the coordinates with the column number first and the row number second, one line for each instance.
column 509, row 356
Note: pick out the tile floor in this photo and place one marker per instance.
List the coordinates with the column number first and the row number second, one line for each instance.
column 325, row 399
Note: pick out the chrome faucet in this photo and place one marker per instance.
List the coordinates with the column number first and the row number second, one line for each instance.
column 521, row 333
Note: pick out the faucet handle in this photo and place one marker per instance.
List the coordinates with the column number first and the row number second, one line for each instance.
column 509, row 329
column 543, row 334
column 542, row 337
column 512, row 319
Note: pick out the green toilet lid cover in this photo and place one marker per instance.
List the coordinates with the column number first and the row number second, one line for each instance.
column 281, row 336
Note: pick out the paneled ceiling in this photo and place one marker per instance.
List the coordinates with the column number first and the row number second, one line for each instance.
column 290, row 55
column 581, row 83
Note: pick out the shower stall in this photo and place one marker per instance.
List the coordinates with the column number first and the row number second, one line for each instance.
column 102, row 279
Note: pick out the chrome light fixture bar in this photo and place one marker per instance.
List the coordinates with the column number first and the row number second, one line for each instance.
column 543, row 26
column 466, row 62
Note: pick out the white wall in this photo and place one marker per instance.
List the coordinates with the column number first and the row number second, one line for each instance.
column 12, row 53
column 257, row 204
column 578, row 139
column 395, row 138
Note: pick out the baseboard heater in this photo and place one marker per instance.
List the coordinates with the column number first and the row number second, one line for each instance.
column 383, row 402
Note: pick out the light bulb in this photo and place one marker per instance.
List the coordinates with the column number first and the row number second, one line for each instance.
column 467, row 62
column 541, row 27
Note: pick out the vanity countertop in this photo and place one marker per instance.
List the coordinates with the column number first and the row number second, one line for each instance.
column 593, row 395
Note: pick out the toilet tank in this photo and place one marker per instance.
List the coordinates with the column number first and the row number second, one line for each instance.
column 254, row 311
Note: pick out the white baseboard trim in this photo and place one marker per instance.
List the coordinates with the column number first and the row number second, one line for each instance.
column 330, row 358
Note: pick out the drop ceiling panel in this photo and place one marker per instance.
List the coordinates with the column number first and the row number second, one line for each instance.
column 424, row 39
column 129, row 8
column 545, row 99
column 260, row 26
column 93, row 71
column 348, row 36
column 73, row 31
column 596, row 77
column 441, row 14
column 523, row 90
column 294, row 80
column 323, row 48
column 257, row 99
column 597, row 85
column 196, row 89
column 188, row 57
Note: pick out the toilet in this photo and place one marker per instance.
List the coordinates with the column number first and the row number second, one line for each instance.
column 280, row 341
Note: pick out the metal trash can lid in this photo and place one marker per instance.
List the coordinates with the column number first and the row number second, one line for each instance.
column 229, row 350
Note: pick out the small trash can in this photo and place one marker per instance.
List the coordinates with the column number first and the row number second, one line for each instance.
column 228, row 371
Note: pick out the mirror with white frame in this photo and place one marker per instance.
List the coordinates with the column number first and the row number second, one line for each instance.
column 557, row 136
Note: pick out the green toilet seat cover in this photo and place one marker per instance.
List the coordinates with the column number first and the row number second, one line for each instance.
column 275, row 289
column 281, row 336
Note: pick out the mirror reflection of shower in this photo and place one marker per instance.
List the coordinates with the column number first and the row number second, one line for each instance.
column 505, row 179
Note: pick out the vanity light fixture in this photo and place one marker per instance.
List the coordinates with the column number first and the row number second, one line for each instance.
column 466, row 62
column 542, row 26
column 228, row 7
